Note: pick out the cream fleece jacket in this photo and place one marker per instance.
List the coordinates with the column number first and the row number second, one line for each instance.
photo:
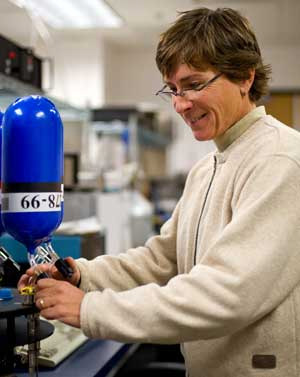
column 223, row 276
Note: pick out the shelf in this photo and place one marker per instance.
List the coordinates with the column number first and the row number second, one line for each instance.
column 146, row 137
column 112, row 120
column 152, row 139
column 11, row 89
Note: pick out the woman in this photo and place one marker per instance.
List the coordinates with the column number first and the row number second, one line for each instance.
column 222, row 278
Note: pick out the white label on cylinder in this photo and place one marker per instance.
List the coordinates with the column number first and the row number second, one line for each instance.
column 62, row 192
column 31, row 202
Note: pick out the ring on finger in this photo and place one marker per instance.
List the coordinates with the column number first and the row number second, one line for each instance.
column 42, row 303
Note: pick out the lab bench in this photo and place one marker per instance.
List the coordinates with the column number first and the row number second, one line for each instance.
column 95, row 358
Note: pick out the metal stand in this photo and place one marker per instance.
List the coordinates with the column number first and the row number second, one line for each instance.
column 33, row 345
column 15, row 330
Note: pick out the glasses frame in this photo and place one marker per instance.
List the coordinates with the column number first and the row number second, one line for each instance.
column 169, row 93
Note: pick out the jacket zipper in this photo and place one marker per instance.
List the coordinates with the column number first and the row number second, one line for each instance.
column 202, row 210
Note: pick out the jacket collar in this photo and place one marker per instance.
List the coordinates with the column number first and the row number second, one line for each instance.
column 234, row 132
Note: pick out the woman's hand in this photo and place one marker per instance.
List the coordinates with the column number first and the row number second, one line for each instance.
column 33, row 272
column 59, row 300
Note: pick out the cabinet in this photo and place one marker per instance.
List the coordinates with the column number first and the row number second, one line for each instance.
column 285, row 106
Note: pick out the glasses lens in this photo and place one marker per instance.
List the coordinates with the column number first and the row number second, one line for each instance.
column 166, row 97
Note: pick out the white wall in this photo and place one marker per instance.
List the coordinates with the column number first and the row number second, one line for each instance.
column 284, row 60
column 78, row 69
column 131, row 75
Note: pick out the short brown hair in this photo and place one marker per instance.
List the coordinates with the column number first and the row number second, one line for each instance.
column 222, row 39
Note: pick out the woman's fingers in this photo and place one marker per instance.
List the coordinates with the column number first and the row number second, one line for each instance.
column 59, row 300
column 31, row 275
column 24, row 280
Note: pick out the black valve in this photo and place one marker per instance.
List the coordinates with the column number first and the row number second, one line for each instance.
column 64, row 268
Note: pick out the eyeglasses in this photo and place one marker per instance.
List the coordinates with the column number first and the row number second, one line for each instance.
column 188, row 92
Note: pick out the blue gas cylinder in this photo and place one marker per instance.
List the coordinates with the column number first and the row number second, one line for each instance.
column 32, row 170
column 2, row 230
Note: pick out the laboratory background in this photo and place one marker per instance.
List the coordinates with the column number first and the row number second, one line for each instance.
column 126, row 153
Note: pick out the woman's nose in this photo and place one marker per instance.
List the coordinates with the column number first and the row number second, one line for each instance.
column 181, row 104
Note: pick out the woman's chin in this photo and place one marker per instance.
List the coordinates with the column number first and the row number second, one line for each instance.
column 201, row 136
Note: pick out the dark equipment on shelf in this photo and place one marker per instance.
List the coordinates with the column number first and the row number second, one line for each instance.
column 30, row 68
column 20, row 63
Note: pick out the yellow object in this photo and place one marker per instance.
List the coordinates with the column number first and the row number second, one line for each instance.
column 29, row 290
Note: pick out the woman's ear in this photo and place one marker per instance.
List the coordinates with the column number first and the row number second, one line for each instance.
column 245, row 85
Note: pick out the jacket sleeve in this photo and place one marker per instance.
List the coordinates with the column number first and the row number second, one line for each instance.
column 250, row 269
column 154, row 262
